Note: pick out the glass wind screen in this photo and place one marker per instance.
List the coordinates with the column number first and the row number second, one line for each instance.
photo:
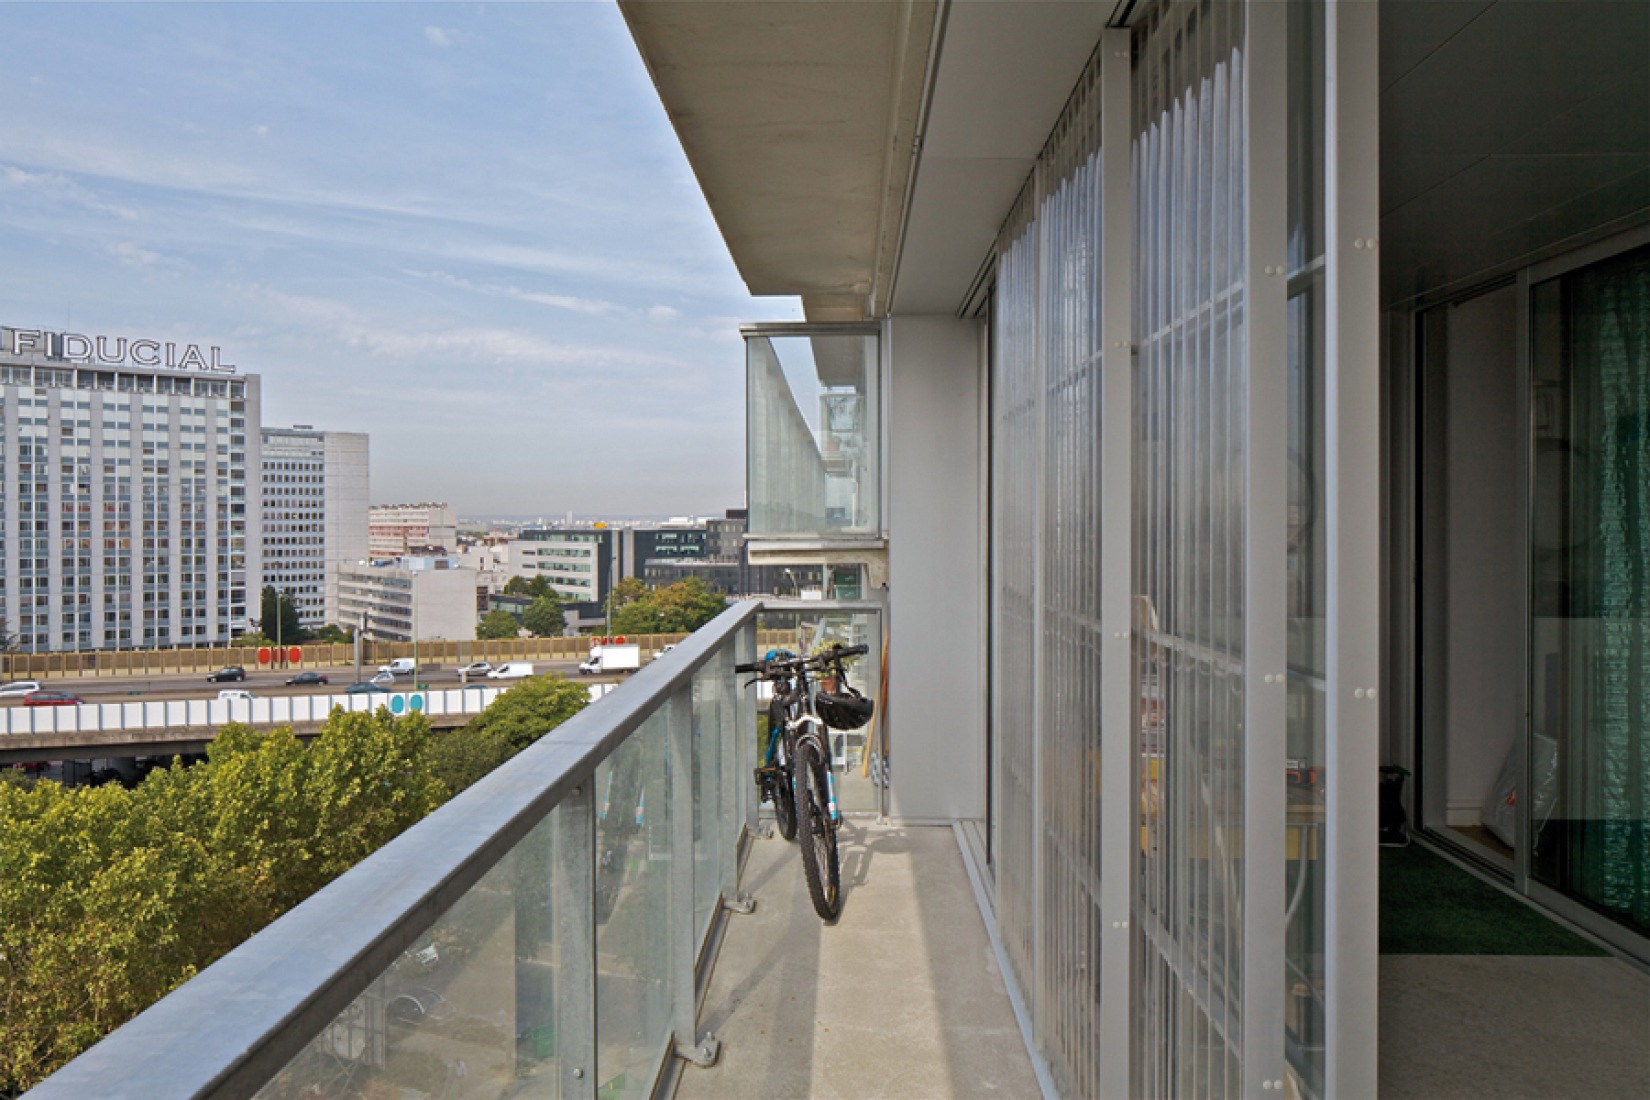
column 1589, row 756
column 813, row 446
column 1190, row 399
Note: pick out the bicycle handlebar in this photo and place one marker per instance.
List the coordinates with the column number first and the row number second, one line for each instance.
column 788, row 664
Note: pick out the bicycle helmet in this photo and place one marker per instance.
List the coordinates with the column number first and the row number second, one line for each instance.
column 843, row 710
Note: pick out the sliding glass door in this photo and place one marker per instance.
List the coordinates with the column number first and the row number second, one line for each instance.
column 1589, row 748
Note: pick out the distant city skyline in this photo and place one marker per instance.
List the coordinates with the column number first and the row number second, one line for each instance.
column 467, row 231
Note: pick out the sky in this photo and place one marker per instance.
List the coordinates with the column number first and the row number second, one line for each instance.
column 467, row 230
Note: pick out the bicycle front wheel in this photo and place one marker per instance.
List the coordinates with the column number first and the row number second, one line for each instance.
column 817, row 832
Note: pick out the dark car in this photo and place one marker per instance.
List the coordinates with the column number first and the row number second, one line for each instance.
column 363, row 687
column 308, row 678
column 51, row 699
column 232, row 674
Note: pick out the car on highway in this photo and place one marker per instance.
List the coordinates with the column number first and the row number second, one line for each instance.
column 474, row 668
column 236, row 693
column 19, row 687
column 51, row 699
column 363, row 687
column 229, row 674
column 307, row 678
column 383, row 678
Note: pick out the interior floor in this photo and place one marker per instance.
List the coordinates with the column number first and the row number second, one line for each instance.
column 1484, row 839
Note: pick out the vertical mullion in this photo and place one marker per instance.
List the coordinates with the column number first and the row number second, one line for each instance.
column 1353, row 460
column 1265, row 525
column 683, row 953
column 575, row 1011
column 1035, row 818
column 1119, row 834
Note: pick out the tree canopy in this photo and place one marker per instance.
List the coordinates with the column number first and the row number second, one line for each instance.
column 110, row 898
column 498, row 624
column 531, row 709
column 534, row 587
column 543, row 617
column 675, row 609
column 279, row 619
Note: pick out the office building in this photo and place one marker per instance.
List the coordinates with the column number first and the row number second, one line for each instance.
column 397, row 529
column 130, row 518
column 430, row 598
column 315, row 493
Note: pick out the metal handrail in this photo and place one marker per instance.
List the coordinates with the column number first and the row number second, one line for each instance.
column 231, row 1029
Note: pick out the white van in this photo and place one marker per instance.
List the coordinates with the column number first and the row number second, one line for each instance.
column 401, row 666
column 513, row 670
column 18, row 687
column 235, row 693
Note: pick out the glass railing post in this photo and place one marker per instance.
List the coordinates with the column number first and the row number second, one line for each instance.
column 683, row 950
column 731, row 784
column 744, row 712
column 575, row 855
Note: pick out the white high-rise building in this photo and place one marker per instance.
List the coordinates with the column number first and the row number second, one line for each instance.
column 124, row 492
column 315, row 515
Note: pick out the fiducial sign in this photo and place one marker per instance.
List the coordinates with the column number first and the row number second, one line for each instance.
column 113, row 351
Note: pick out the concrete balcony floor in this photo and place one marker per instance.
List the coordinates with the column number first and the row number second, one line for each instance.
column 900, row 998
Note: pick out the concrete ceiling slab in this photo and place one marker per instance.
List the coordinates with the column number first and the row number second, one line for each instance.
column 1006, row 70
column 1508, row 128
column 798, row 119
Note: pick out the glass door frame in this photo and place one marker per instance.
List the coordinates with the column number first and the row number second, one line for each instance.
column 1408, row 625
column 1614, row 934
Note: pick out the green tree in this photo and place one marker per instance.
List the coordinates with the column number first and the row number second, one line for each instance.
column 531, row 709
column 111, row 898
column 498, row 624
column 280, row 618
column 679, row 608
column 533, row 588
column 332, row 634
column 460, row 757
column 543, row 617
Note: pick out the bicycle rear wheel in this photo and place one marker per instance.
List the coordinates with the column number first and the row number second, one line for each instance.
column 784, row 779
column 819, row 859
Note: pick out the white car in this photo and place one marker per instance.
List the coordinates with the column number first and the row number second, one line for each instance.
column 19, row 687
column 474, row 668
column 236, row 693
column 383, row 678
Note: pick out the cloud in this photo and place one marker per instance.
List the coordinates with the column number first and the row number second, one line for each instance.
column 60, row 187
column 132, row 255
column 591, row 307
column 261, row 131
column 437, row 36
column 480, row 345
column 662, row 315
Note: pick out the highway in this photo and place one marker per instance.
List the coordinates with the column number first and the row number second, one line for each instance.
column 117, row 689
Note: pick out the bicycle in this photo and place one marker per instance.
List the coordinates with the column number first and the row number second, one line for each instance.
column 796, row 768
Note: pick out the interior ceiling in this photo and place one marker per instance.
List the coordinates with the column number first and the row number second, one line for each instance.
column 1509, row 128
